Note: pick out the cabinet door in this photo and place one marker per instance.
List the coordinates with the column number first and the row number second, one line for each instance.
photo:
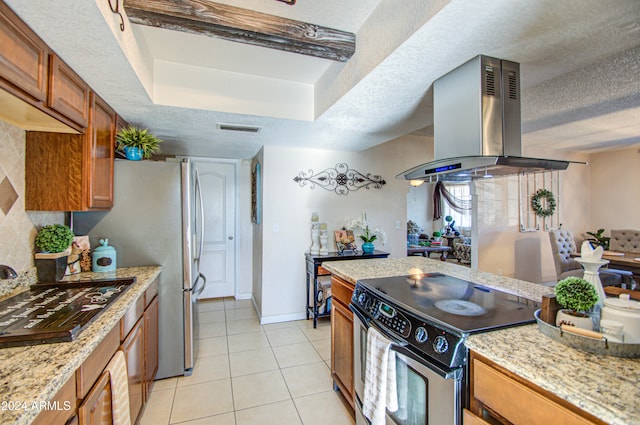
column 151, row 344
column 342, row 349
column 96, row 407
column 99, row 155
column 133, row 347
column 68, row 93
column 23, row 58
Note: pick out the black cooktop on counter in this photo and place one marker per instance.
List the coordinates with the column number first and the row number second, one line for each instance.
column 462, row 306
column 49, row 313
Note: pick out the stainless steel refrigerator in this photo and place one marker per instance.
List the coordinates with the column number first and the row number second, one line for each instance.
column 157, row 219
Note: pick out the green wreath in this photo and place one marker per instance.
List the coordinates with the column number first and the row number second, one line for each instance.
column 537, row 201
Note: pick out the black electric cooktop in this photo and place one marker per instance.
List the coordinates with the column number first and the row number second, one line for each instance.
column 49, row 313
column 459, row 305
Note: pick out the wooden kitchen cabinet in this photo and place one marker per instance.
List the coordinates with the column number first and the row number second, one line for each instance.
column 137, row 337
column 23, row 59
column 133, row 347
column 96, row 407
column 151, row 327
column 68, row 93
column 500, row 396
column 342, row 338
column 69, row 172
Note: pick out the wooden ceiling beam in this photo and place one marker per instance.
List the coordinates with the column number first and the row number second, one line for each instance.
column 232, row 23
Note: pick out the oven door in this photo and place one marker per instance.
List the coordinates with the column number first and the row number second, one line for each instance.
column 427, row 394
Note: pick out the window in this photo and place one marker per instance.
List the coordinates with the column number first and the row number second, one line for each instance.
column 462, row 192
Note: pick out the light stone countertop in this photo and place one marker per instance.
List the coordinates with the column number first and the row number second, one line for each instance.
column 606, row 387
column 36, row 373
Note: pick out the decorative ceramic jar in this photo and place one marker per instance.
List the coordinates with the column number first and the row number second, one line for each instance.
column 104, row 257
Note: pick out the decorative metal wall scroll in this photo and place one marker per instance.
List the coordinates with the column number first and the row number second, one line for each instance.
column 116, row 10
column 340, row 179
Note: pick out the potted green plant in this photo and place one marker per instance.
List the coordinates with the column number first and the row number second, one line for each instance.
column 598, row 239
column 437, row 236
column 137, row 143
column 54, row 242
column 578, row 297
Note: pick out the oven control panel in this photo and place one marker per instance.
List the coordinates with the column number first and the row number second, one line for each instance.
column 418, row 333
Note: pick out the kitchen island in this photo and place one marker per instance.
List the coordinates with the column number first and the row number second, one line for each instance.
column 32, row 375
column 602, row 386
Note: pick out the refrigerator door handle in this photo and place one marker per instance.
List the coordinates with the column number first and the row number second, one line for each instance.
column 197, row 291
column 200, row 225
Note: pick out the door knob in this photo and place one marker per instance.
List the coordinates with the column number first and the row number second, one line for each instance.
column 230, row 238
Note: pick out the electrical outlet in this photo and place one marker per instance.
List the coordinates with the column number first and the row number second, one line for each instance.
column 397, row 224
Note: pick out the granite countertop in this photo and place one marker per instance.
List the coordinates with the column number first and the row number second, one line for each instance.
column 36, row 373
column 354, row 270
column 603, row 386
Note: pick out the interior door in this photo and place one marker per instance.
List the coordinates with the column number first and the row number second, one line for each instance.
column 217, row 262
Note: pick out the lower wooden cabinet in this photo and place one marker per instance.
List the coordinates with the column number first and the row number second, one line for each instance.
column 96, row 407
column 151, row 324
column 342, row 338
column 137, row 337
column 499, row 396
column 133, row 347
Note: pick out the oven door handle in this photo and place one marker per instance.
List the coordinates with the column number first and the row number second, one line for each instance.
column 368, row 323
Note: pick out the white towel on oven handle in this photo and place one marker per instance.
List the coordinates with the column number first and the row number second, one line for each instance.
column 380, row 390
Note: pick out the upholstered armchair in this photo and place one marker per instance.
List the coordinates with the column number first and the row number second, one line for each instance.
column 562, row 246
column 462, row 249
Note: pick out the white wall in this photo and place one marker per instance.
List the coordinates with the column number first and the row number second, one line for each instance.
column 615, row 190
column 279, row 290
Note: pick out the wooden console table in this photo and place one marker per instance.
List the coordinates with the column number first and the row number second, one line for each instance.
column 315, row 270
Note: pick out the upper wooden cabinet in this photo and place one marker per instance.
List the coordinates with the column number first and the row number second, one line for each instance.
column 39, row 92
column 24, row 57
column 68, row 93
column 68, row 172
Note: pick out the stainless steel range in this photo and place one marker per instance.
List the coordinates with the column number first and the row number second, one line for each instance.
column 428, row 317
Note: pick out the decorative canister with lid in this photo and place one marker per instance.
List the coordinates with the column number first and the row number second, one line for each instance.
column 104, row 257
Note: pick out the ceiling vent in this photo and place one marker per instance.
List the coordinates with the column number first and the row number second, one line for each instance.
column 240, row 128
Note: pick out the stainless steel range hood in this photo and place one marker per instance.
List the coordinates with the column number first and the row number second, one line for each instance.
column 477, row 131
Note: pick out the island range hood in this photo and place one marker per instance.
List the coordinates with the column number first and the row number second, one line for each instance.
column 477, row 131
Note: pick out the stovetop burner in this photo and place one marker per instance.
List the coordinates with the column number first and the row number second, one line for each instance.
column 460, row 307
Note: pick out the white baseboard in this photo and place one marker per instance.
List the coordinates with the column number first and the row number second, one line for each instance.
column 244, row 296
column 265, row 320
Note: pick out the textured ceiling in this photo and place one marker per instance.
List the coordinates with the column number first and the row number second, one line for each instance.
column 580, row 71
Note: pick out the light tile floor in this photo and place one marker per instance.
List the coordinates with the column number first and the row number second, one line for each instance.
column 252, row 374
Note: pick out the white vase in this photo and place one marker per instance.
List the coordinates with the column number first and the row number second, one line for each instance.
column 324, row 243
column 564, row 317
column 315, row 242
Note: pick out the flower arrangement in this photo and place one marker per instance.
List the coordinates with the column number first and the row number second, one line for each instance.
column 367, row 234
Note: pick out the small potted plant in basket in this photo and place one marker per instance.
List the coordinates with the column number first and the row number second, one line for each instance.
column 137, row 143
column 578, row 297
column 54, row 242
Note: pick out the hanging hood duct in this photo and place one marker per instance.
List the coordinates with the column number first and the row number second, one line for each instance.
column 477, row 131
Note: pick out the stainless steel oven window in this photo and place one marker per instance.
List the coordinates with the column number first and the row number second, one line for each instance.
column 412, row 395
